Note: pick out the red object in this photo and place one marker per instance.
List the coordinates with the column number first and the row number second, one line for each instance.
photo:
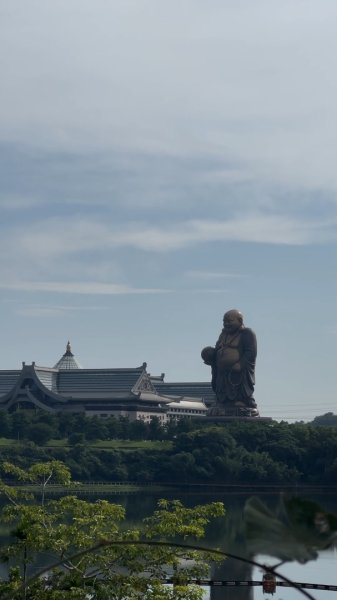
column 269, row 583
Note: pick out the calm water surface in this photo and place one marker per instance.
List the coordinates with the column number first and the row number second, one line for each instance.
column 228, row 534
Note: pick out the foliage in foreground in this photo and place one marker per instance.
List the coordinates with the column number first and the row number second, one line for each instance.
column 65, row 530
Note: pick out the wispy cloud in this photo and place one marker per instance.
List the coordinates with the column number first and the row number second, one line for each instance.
column 43, row 310
column 62, row 237
column 244, row 78
column 207, row 291
column 95, row 257
column 211, row 275
column 88, row 287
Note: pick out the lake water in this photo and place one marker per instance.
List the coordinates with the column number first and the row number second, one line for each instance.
column 321, row 571
column 228, row 535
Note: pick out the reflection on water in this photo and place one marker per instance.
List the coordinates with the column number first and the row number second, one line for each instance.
column 228, row 534
column 322, row 570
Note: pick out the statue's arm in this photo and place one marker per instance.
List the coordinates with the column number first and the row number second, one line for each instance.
column 220, row 341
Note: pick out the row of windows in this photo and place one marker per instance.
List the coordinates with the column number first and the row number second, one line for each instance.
column 187, row 410
column 162, row 417
column 149, row 417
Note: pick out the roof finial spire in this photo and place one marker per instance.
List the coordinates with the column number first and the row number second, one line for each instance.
column 67, row 361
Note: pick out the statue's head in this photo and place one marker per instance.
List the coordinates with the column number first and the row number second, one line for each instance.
column 233, row 321
column 208, row 355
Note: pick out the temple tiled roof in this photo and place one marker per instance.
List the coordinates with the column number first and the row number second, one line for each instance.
column 187, row 403
column 68, row 360
column 201, row 390
column 68, row 386
column 98, row 381
column 129, row 383
column 8, row 379
column 48, row 377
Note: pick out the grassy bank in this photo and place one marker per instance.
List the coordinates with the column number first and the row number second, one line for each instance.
column 100, row 444
column 94, row 489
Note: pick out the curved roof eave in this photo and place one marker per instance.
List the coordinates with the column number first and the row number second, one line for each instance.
column 34, row 401
column 29, row 371
column 187, row 404
column 149, row 397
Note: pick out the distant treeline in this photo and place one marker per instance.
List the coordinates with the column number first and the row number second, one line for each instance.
column 237, row 452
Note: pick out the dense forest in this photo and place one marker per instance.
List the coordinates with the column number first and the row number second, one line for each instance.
column 187, row 451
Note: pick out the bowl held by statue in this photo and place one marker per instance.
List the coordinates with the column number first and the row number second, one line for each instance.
column 208, row 355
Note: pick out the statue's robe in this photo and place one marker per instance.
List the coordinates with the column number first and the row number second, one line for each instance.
column 230, row 384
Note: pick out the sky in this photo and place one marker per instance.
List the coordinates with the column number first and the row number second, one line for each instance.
column 160, row 164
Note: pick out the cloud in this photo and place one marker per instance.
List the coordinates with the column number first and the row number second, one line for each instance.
column 67, row 237
column 207, row 275
column 207, row 291
column 211, row 130
column 42, row 310
column 109, row 257
column 56, row 245
column 249, row 81
column 64, row 287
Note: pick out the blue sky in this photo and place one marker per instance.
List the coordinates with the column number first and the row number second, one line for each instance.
column 161, row 163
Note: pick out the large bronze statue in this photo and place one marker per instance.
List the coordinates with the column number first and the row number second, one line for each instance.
column 233, row 368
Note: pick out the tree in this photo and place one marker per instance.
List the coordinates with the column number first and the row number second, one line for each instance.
column 95, row 429
column 76, row 438
column 94, row 556
column 327, row 419
column 181, row 467
column 51, row 419
column 138, row 430
column 39, row 433
column 21, row 419
column 156, row 431
column 113, row 426
column 5, row 424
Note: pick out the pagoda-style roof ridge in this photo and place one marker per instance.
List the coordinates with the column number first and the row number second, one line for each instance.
column 157, row 377
column 154, row 397
column 33, row 399
column 101, row 395
column 185, row 382
column 29, row 372
column 144, row 384
column 41, row 385
column 109, row 369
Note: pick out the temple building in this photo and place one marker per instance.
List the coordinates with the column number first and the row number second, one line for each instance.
column 127, row 392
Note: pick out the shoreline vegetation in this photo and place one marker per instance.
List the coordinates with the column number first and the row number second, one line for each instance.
column 88, row 488
column 183, row 454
